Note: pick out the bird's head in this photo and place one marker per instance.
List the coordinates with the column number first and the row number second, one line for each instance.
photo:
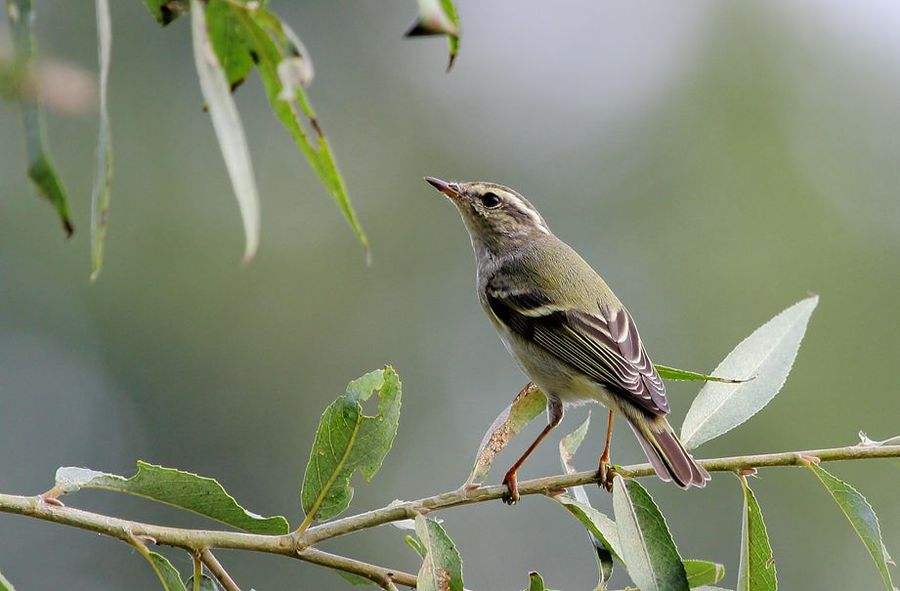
column 497, row 217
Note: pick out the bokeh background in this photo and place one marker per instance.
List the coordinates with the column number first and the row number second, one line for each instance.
column 716, row 161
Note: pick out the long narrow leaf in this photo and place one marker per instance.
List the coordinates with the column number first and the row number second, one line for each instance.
column 684, row 375
column 442, row 566
column 5, row 585
column 861, row 516
column 100, row 194
column 227, row 124
column 757, row 567
column 40, row 167
column 766, row 356
column 166, row 573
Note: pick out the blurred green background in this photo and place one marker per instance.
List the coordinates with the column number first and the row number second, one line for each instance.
column 716, row 161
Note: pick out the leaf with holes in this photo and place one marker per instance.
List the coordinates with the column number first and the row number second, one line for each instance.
column 757, row 567
column 646, row 545
column 526, row 406
column 766, row 356
column 184, row 490
column 861, row 516
column 442, row 567
column 348, row 441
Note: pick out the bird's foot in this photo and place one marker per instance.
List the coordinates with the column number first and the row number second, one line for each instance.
column 511, row 480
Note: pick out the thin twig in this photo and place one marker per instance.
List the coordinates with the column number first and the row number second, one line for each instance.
column 218, row 571
column 298, row 546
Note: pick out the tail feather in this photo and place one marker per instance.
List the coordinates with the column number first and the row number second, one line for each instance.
column 665, row 452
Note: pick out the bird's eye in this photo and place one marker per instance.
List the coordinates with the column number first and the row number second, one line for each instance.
column 490, row 200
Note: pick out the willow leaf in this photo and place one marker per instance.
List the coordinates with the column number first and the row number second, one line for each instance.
column 757, row 567
column 441, row 568
column 100, row 194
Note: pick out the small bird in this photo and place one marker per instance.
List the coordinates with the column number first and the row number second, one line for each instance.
column 564, row 326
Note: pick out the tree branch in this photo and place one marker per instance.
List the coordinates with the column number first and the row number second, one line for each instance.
column 198, row 541
column 218, row 571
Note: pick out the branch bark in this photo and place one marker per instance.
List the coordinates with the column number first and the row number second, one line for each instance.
column 198, row 541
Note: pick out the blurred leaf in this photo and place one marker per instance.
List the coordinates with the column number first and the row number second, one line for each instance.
column 355, row 579
column 229, row 39
column 166, row 11
column 168, row 576
column 527, row 405
column 757, row 567
column 683, row 375
column 703, row 572
column 348, row 440
column 536, row 582
column 100, row 194
column 281, row 58
column 227, row 124
column 40, row 168
column 766, row 356
column 416, row 544
column 593, row 520
column 5, row 585
column 184, row 490
column 861, row 516
column 442, row 567
column 438, row 17
column 207, row 583
column 646, row 545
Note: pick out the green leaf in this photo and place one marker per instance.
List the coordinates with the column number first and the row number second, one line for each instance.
column 5, row 585
column 646, row 545
column 184, row 490
column 166, row 11
column 207, row 583
column 601, row 529
column 683, row 375
column 442, row 567
column 757, row 568
column 284, row 68
column 355, row 579
column 100, row 194
column 526, row 406
column 416, row 544
column 703, row 572
column 348, row 440
column 227, row 125
column 230, row 41
column 40, row 168
column 536, row 582
column 766, row 356
column 168, row 576
column 438, row 17
column 861, row 516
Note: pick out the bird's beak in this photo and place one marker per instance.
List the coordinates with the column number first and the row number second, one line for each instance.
column 451, row 190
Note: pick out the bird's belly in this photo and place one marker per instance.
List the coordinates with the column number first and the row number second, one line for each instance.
column 553, row 376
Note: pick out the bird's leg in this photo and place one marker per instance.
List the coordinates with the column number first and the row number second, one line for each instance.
column 604, row 472
column 554, row 417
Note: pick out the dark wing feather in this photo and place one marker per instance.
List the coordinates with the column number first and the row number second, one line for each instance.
column 604, row 345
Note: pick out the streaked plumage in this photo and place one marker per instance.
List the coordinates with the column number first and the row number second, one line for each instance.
column 563, row 324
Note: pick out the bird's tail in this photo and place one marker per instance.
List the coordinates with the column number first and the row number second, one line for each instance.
column 667, row 455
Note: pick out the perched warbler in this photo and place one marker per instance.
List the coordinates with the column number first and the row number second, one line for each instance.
column 563, row 324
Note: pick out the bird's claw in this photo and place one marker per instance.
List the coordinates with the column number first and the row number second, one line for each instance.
column 511, row 496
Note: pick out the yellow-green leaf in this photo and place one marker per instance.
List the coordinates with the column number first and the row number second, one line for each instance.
column 757, row 567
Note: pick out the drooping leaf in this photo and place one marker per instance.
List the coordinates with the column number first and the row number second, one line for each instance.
column 348, row 440
column 416, row 544
column 228, row 127
column 207, row 583
column 166, row 11
column 167, row 574
column 703, row 572
column 284, row 68
column 180, row 489
column 527, row 405
column 766, row 356
column 646, row 545
column 861, row 516
column 40, row 168
column 593, row 520
column 684, row 375
column 5, row 585
column 442, row 567
column 536, row 582
column 100, row 194
column 757, row 567
column 438, row 17
column 355, row 579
